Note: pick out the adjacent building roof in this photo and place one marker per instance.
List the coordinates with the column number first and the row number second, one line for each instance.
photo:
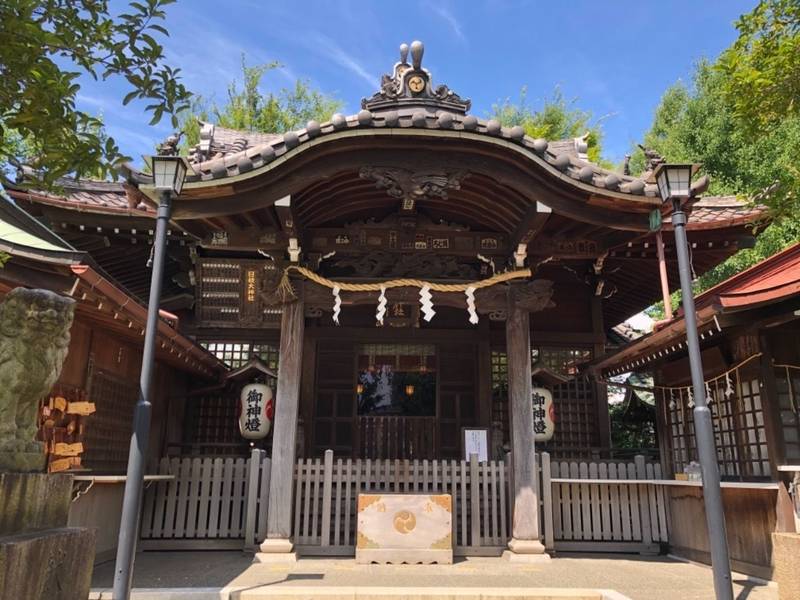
column 773, row 280
column 39, row 258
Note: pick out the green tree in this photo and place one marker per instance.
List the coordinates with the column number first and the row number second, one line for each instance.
column 701, row 124
column 248, row 109
column 45, row 46
column 762, row 68
column 557, row 119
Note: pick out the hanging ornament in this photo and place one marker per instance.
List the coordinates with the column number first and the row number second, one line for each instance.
column 337, row 304
column 728, row 386
column 672, row 404
column 473, row 314
column 690, row 403
column 709, row 395
column 381, row 306
column 425, row 303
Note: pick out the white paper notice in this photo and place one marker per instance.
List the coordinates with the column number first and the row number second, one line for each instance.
column 476, row 442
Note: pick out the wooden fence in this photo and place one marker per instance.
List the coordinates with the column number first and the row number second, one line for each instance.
column 596, row 507
column 592, row 506
column 212, row 503
column 326, row 491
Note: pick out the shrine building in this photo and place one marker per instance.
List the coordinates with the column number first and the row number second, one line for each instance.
column 408, row 275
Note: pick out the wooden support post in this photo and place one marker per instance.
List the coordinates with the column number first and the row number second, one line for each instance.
column 547, row 502
column 662, row 274
column 254, row 467
column 600, row 391
column 485, row 380
column 525, row 543
column 279, row 516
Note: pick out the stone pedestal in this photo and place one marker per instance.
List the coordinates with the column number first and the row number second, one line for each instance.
column 786, row 558
column 405, row 528
column 276, row 550
column 40, row 557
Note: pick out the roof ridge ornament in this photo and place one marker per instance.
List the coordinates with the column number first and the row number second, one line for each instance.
column 411, row 85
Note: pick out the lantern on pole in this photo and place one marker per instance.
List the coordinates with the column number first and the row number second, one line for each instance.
column 256, row 411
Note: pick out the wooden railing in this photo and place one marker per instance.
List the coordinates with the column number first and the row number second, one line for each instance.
column 582, row 513
column 326, row 493
column 596, row 506
column 211, row 503
column 392, row 437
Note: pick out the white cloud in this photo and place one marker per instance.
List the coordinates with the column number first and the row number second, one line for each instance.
column 450, row 19
column 322, row 45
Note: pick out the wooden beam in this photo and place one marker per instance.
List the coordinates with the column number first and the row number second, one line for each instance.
column 287, row 219
column 287, row 401
column 286, row 216
column 532, row 223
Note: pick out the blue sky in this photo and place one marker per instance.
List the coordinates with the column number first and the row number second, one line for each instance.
column 615, row 57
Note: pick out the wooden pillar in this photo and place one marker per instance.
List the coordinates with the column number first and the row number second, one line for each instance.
column 485, row 377
column 279, row 515
column 600, row 391
column 525, row 514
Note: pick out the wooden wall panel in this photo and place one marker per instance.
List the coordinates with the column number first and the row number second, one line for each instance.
column 749, row 520
column 73, row 372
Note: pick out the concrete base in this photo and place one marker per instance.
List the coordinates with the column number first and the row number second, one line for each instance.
column 270, row 558
column 297, row 592
column 31, row 502
column 526, row 546
column 39, row 556
column 395, row 556
column 276, row 546
column 55, row 564
column 786, row 558
column 525, row 558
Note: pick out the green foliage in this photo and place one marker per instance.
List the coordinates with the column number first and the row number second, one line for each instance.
column 761, row 70
column 45, row 45
column 633, row 423
column 741, row 120
column 248, row 109
column 557, row 119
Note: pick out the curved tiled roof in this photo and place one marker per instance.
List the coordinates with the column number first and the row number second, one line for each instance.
column 560, row 156
column 406, row 101
column 713, row 212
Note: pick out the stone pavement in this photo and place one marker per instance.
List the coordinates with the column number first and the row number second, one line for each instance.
column 208, row 573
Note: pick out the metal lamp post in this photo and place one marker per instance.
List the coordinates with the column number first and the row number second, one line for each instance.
column 169, row 173
column 674, row 183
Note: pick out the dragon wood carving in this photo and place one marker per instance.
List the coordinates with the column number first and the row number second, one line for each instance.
column 410, row 186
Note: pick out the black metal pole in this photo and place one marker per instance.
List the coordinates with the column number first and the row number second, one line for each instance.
column 134, row 482
column 703, row 424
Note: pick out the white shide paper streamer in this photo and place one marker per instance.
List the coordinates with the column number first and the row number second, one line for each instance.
column 381, row 306
column 473, row 314
column 337, row 304
column 425, row 303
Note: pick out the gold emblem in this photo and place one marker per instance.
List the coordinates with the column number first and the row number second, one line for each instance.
column 416, row 84
column 405, row 521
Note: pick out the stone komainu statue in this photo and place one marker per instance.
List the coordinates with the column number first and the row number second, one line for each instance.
column 34, row 340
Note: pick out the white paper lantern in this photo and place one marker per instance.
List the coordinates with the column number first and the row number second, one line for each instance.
column 256, row 411
column 544, row 414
